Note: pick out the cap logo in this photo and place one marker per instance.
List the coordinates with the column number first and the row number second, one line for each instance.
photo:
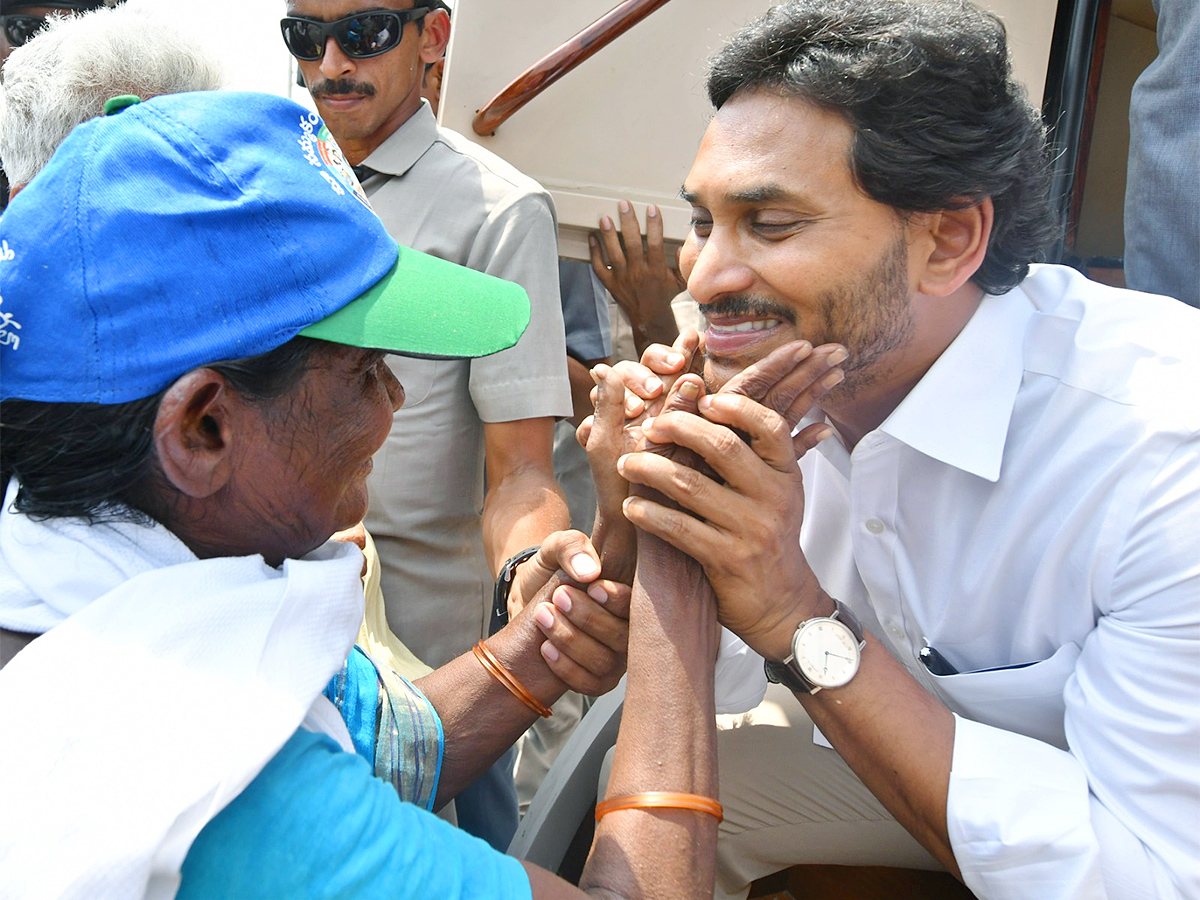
column 8, row 325
column 322, row 151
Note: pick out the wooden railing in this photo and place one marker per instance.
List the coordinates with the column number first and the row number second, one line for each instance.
column 560, row 61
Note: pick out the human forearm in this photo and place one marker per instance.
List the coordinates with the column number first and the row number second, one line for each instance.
column 667, row 738
column 481, row 718
column 519, row 512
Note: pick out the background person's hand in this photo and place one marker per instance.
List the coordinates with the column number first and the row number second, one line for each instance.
column 637, row 273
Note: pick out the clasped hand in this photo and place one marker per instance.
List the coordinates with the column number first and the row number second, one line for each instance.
column 732, row 495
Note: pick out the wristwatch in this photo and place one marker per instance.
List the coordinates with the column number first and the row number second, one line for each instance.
column 503, row 587
column 825, row 653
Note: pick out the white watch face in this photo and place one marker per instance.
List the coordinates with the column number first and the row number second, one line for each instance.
column 826, row 651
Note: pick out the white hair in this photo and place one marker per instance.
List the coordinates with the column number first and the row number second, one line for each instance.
column 68, row 70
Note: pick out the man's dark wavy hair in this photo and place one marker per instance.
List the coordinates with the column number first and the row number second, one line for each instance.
column 939, row 123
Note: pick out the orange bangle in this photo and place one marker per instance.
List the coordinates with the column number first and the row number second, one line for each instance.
column 661, row 800
column 484, row 654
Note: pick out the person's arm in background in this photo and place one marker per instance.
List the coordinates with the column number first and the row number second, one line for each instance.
column 637, row 273
column 523, row 503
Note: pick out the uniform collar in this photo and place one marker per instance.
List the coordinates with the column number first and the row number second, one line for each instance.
column 959, row 412
column 406, row 144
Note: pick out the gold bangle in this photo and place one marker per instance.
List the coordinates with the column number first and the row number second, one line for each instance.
column 485, row 655
column 661, row 800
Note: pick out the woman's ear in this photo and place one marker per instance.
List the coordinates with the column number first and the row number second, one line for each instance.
column 194, row 432
column 953, row 244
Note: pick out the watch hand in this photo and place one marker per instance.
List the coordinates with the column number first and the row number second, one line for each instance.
column 838, row 655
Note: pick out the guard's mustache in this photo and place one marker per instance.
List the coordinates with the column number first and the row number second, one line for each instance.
column 342, row 86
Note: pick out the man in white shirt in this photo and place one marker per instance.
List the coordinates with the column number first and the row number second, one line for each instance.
column 441, row 535
column 1005, row 495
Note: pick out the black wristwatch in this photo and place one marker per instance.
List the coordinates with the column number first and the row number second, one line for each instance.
column 826, row 652
column 504, row 587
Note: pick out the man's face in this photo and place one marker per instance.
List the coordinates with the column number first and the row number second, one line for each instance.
column 364, row 100
column 306, row 477
column 784, row 245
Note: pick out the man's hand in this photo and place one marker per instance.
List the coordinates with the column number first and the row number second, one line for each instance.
column 607, row 435
column 638, row 275
column 585, row 618
column 743, row 525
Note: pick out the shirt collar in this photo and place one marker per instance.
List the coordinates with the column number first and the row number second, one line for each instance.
column 959, row 412
column 406, row 144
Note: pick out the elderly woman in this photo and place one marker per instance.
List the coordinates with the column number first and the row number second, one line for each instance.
column 195, row 302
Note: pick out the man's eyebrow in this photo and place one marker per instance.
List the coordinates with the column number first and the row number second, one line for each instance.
column 761, row 194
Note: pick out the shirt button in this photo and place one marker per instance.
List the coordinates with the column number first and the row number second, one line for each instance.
column 874, row 526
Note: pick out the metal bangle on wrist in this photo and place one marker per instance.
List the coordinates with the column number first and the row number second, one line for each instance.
column 503, row 588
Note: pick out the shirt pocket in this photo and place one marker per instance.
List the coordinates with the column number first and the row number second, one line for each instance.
column 1025, row 698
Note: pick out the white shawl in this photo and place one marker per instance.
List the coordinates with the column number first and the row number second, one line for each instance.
column 163, row 686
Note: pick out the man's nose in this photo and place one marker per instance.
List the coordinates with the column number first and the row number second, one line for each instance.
column 714, row 268
column 335, row 63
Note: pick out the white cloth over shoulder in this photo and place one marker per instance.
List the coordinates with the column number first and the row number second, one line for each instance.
column 164, row 686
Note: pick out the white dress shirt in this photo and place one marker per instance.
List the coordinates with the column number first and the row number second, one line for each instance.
column 1032, row 511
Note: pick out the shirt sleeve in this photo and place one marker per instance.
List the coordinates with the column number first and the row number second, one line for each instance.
column 316, row 823
column 1118, row 814
column 519, row 242
column 740, row 680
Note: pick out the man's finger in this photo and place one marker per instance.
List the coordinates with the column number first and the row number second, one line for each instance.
column 631, row 235
column 599, row 266
column 612, row 247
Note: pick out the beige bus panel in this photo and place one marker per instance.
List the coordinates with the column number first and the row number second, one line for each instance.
column 626, row 123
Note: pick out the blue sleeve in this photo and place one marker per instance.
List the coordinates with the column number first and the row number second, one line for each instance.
column 316, row 823
column 585, row 311
column 355, row 692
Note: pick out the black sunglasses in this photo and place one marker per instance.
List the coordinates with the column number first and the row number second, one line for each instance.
column 18, row 29
column 360, row 36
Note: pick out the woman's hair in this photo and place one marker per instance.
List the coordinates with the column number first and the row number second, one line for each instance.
column 939, row 122
column 90, row 460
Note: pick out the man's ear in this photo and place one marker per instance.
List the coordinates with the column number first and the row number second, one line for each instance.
column 194, row 432
column 951, row 245
column 435, row 35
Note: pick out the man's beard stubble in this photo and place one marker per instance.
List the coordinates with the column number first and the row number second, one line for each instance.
column 870, row 317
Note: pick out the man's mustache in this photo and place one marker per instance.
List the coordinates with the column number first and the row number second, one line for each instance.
column 748, row 305
column 342, row 86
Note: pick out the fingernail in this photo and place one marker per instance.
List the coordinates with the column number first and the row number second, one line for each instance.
column 544, row 616
column 803, row 351
column 606, row 223
column 647, row 423
column 549, row 651
column 675, row 359
column 833, row 378
column 706, row 402
column 689, row 390
column 562, row 599
column 838, row 356
column 653, row 383
column 599, row 372
column 597, row 593
column 584, row 565
column 621, row 462
column 651, row 211
column 824, row 433
column 624, row 206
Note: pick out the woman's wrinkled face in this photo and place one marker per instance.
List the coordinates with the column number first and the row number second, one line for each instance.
column 306, row 477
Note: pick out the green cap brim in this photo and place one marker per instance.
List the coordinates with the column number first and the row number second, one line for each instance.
column 427, row 307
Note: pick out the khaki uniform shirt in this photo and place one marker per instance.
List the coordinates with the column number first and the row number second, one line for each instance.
column 442, row 194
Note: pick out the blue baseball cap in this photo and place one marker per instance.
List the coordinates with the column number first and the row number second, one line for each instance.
column 200, row 227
